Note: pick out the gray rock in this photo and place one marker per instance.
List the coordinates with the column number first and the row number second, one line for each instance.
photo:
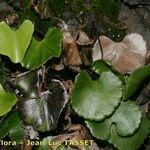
column 137, row 2
column 137, row 20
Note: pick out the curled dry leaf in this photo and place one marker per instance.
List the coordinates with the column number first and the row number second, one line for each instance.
column 81, row 133
column 83, row 39
column 75, row 133
column 26, row 146
column 125, row 56
column 59, row 66
column 68, row 85
column 54, row 139
column 7, row 13
column 11, row 20
column 72, row 36
column 42, row 7
column 80, row 129
column 71, row 57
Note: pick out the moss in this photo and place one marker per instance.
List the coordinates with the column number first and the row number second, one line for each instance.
column 26, row 12
column 116, row 34
column 109, row 8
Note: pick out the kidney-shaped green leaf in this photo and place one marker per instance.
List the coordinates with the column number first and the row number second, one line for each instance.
column 15, row 43
column 135, row 80
column 7, row 101
column 132, row 142
column 39, row 52
column 127, row 118
column 96, row 100
column 10, row 123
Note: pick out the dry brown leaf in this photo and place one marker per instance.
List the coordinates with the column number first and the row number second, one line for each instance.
column 12, row 19
column 61, row 139
column 81, row 133
column 42, row 7
column 129, row 62
column 136, row 43
column 58, row 66
column 75, row 132
column 71, row 57
column 26, row 146
column 68, row 85
column 125, row 56
column 83, row 39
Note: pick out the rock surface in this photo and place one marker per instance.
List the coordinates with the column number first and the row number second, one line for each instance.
column 137, row 20
column 137, row 2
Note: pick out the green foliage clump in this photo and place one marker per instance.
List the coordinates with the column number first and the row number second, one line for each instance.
column 21, row 47
column 106, row 108
column 109, row 8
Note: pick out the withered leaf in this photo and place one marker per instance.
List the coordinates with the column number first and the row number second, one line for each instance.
column 125, row 56
column 71, row 56
column 75, row 133
column 83, row 39
column 43, row 8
